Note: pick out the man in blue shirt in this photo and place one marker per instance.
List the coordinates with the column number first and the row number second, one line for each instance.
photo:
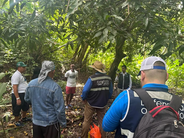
column 95, row 95
column 47, row 101
column 127, row 109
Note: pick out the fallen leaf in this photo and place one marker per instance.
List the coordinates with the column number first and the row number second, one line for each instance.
column 11, row 125
column 25, row 133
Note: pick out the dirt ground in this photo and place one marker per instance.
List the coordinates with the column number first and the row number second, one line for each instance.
column 74, row 118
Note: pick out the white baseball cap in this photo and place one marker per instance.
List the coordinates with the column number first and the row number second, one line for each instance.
column 149, row 62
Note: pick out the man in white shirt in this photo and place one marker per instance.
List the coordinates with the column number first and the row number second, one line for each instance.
column 19, row 85
column 71, row 76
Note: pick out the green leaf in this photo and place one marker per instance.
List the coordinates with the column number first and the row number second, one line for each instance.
column 181, row 49
column 6, row 116
column 4, row 2
column 97, row 34
column 17, row 7
column 102, row 39
column 12, row 5
column 170, row 47
column 72, row 45
column 22, row 5
column 12, row 34
column 118, row 17
column 2, row 85
column 2, row 89
column 3, row 42
column 124, row 4
column 73, row 8
column 2, row 75
column 105, row 32
column 146, row 22
column 33, row 15
column 157, row 46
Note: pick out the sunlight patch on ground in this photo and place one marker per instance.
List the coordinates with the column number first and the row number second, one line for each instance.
column 80, row 85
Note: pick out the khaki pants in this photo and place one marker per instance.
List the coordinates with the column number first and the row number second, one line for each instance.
column 88, row 114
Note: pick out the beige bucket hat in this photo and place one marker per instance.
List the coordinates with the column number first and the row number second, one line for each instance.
column 98, row 66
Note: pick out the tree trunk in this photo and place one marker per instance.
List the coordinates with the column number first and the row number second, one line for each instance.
column 75, row 54
column 86, row 59
column 119, row 55
column 81, row 55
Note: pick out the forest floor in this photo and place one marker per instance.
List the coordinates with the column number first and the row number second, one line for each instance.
column 74, row 116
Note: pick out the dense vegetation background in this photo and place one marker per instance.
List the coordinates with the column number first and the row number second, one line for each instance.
column 115, row 32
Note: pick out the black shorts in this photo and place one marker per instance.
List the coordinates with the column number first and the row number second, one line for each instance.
column 17, row 108
column 52, row 131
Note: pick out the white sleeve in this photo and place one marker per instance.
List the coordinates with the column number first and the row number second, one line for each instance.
column 116, row 79
column 66, row 74
column 15, row 79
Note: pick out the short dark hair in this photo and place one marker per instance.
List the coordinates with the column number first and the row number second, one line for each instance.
column 124, row 66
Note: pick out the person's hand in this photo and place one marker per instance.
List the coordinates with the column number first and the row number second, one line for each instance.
column 18, row 102
column 84, row 101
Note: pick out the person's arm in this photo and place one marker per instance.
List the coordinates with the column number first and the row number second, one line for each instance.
column 59, row 106
column 130, row 82
column 66, row 76
column 15, row 90
column 86, row 89
column 115, row 113
column 15, row 82
column 117, row 78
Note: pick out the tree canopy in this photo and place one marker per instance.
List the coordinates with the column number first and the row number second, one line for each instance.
column 80, row 30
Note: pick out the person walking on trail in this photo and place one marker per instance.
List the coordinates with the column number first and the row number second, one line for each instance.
column 127, row 109
column 124, row 80
column 95, row 95
column 19, row 85
column 71, row 77
column 47, row 101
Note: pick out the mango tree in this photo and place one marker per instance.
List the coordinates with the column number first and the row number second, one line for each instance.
column 125, row 24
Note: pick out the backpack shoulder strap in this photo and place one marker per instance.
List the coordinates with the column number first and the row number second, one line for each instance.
column 176, row 102
column 146, row 98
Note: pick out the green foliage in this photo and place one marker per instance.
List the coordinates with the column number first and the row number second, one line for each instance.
column 105, row 57
column 2, row 91
column 176, row 75
column 112, row 31
column 2, row 75
column 127, row 25
column 62, row 84
column 2, row 86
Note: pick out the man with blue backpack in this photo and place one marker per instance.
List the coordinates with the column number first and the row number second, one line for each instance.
column 148, row 112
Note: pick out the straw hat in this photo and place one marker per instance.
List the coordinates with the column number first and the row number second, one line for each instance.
column 98, row 66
